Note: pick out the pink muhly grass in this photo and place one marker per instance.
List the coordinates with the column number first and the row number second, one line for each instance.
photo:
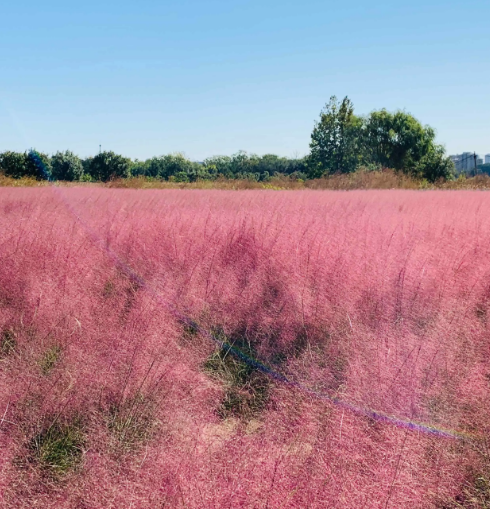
column 376, row 299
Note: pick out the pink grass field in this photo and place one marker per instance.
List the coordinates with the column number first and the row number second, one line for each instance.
column 367, row 301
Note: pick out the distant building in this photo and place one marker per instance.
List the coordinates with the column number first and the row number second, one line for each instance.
column 464, row 162
column 479, row 161
column 487, row 159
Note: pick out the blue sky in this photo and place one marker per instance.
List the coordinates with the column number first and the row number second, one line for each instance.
column 214, row 77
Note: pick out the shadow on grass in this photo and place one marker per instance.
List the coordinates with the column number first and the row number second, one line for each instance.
column 247, row 389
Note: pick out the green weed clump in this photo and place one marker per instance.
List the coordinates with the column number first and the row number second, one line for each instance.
column 58, row 448
column 474, row 495
column 49, row 359
column 247, row 389
column 479, row 494
column 109, row 289
column 132, row 421
column 8, row 343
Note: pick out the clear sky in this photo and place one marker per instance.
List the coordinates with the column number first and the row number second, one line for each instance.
column 209, row 77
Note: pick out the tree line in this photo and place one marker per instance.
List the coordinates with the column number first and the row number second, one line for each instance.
column 173, row 167
column 341, row 142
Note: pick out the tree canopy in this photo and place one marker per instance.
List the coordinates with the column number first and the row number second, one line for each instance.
column 335, row 139
column 108, row 165
column 66, row 166
column 341, row 142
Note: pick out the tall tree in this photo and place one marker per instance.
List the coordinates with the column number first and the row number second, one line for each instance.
column 399, row 141
column 334, row 140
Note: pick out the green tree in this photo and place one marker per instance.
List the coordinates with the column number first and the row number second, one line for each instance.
column 86, row 164
column 180, row 176
column 108, row 165
column 155, row 167
column 399, row 141
column 219, row 165
column 242, row 164
column 334, row 146
column 66, row 166
column 139, row 168
column 269, row 164
column 484, row 168
column 435, row 165
column 38, row 165
column 208, row 172
column 169, row 165
column 396, row 140
column 13, row 164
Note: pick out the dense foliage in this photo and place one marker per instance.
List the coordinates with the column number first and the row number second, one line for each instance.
column 28, row 164
column 108, row 165
column 66, row 166
column 484, row 168
column 342, row 141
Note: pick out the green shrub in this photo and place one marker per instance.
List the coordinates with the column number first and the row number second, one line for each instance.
column 86, row 177
column 58, row 448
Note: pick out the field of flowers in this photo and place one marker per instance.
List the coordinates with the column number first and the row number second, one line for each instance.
column 256, row 349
